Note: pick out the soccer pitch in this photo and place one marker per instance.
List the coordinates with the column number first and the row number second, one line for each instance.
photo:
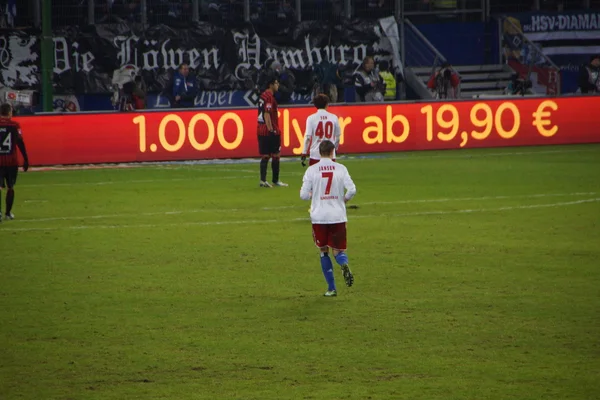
column 477, row 276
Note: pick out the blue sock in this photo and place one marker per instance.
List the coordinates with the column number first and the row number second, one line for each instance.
column 341, row 258
column 327, row 267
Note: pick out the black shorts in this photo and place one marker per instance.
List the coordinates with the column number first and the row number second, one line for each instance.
column 8, row 176
column 270, row 144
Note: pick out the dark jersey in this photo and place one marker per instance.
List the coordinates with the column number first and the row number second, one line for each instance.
column 10, row 135
column 267, row 105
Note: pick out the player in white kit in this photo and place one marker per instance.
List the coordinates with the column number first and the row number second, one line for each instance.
column 320, row 126
column 329, row 186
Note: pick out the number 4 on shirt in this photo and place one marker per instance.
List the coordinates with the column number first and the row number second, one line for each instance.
column 326, row 131
column 5, row 142
column 329, row 177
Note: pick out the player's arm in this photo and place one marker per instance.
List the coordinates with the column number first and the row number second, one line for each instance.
column 307, row 140
column 177, row 86
column 267, row 116
column 349, row 186
column 23, row 150
column 337, row 134
column 307, row 185
column 307, row 136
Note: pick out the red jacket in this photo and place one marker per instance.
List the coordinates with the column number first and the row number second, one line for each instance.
column 454, row 81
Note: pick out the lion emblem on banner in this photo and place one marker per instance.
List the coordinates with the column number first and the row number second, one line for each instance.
column 17, row 59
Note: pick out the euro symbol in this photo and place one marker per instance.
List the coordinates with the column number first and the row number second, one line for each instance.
column 542, row 121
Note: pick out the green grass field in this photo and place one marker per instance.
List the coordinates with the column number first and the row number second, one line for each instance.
column 477, row 277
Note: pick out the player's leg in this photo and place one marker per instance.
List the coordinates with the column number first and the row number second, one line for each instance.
column 276, row 156
column 275, row 167
column 10, row 190
column 3, row 180
column 264, row 162
column 333, row 93
column 10, row 198
column 320, row 233
column 263, row 150
column 338, row 243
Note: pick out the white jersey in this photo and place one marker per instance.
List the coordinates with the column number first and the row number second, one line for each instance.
column 320, row 126
column 325, row 183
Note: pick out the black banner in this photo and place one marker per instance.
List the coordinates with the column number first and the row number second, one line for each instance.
column 221, row 59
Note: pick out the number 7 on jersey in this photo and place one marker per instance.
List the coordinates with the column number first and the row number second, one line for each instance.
column 329, row 177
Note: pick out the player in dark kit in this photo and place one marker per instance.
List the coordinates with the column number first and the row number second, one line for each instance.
column 10, row 139
column 269, row 135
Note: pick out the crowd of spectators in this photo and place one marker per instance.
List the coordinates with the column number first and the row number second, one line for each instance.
column 370, row 82
column 178, row 12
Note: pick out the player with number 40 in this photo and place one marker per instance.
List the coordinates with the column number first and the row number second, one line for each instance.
column 322, row 125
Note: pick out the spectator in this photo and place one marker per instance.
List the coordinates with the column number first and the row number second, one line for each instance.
column 256, row 10
column 327, row 78
column 139, row 93
column 123, row 81
column 9, row 12
column 589, row 76
column 389, row 79
column 287, row 81
column 368, row 84
column 185, row 87
column 228, row 12
column 103, row 10
column 337, row 10
column 171, row 12
column 129, row 10
column 519, row 86
column 286, row 12
column 445, row 82
column 264, row 76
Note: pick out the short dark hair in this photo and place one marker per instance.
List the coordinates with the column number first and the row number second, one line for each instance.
column 321, row 101
column 5, row 109
column 271, row 80
column 326, row 148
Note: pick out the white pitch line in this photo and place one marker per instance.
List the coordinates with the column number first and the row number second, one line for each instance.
column 351, row 157
column 444, row 200
column 191, row 178
column 485, row 155
column 227, row 210
column 195, row 169
column 147, row 214
column 202, row 178
column 268, row 221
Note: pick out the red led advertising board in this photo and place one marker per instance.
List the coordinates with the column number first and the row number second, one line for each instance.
column 231, row 133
